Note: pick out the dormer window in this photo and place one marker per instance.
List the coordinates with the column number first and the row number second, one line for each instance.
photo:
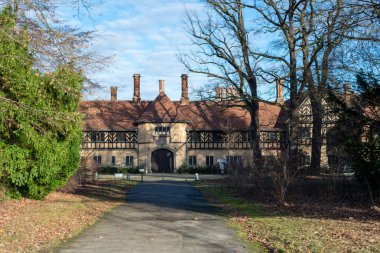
column 162, row 130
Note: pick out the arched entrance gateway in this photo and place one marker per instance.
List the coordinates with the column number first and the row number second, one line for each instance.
column 162, row 161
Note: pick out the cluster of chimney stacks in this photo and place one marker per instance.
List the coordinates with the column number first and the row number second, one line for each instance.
column 220, row 92
column 136, row 89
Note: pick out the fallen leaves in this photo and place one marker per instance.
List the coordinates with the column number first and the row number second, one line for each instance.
column 30, row 225
column 304, row 228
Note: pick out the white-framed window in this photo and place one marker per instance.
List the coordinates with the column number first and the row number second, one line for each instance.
column 192, row 160
column 162, row 130
column 129, row 161
column 98, row 159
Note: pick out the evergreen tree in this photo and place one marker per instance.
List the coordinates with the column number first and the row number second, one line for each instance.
column 40, row 129
column 367, row 150
column 360, row 131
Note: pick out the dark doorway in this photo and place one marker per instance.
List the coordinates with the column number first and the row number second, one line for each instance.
column 162, row 161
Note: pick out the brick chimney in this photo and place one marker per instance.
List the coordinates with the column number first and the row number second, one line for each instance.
column 217, row 93
column 346, row 88
column 136, row 88
column 231, row 92
column 113, row 93
column 236, row 93
column 185, row 89
column 162, row 86
column 279, row 91
column 223, row 93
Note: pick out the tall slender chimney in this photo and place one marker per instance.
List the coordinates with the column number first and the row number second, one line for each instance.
column 231, row 92
column 113, row 93
column 217, row 93
column 185, row 89
column 136, row 88
column 223, row 92
column 279, row 91
column 346, row 88
column 162, row 86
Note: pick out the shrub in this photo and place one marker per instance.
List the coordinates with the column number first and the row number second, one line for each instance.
column 198, row 169
column 124, row 170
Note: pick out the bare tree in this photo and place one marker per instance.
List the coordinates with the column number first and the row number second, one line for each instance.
column 312, row 32
column 53, row 43
column 280, row 18
column 223, row 52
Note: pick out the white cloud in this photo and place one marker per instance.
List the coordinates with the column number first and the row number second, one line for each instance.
column 145, row 37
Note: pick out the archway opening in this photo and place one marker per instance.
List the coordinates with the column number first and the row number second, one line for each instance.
column 162, row 160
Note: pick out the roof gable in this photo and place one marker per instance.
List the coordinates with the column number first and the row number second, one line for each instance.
column 162, row 109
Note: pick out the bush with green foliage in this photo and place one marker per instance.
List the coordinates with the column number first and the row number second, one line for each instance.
column 40, row 128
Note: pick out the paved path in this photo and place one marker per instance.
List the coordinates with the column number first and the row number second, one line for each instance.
column 164, row 216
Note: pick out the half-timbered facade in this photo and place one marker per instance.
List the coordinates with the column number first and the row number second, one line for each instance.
column 161, row 135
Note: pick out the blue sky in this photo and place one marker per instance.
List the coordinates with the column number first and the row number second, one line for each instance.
column 144, row 37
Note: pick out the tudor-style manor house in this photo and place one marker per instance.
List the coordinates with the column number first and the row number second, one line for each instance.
column 161, row 135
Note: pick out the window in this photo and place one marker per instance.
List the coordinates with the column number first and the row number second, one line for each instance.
column 218, row 136
column 97, row 137
column 194, row 136
column 304, row 159
column 162, row 130
column 121, row 137
column 129, row 161
column 234, row 159
column 304, row 133
column 333, row 161
column 98, row 159
column 113, row 160
column 246, row 136
column 269, row 160
column 272, row 136
column 192, row 160
column 209, row 160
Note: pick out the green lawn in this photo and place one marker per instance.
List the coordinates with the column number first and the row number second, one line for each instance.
column 293, row 233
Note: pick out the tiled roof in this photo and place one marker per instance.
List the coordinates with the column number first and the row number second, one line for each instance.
column 200, row 115
column 162, row 109
column 208, row 115
column 107, row 115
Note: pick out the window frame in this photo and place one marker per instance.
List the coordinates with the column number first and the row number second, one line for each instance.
column 113, row 160
column 162, row 130
column 98, row 159
column 209, row 160
column 192, row 160
column 129, row 161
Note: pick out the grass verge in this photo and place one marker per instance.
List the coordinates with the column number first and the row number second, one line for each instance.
column 33, row 225
column 287, row 232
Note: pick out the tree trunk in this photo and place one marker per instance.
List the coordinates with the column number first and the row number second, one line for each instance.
column 291, row 135
column 255, row 126
column 316, row 141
